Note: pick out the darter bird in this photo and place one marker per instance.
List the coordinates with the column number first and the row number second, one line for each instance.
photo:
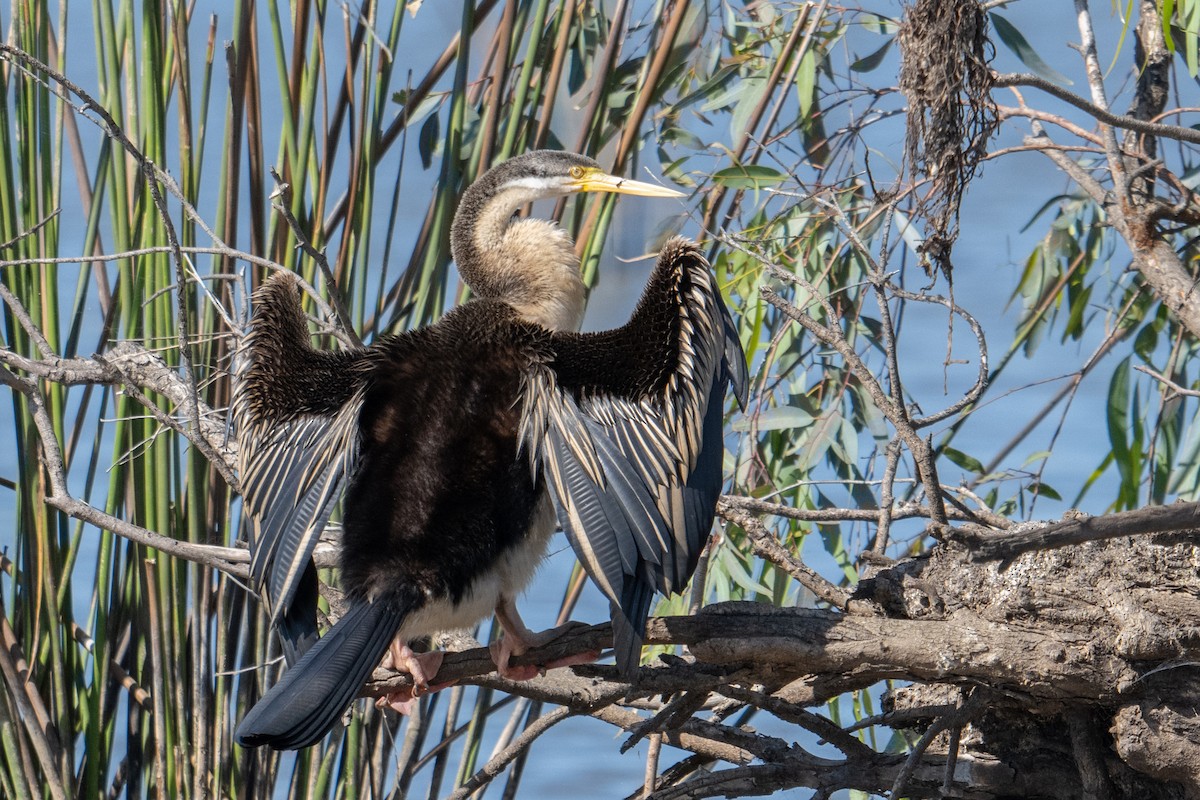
column 453, row 448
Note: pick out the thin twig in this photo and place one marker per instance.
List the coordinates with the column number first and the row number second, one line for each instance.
column 1101, row 114
column 651, row 775
column 233, row 561
column 498, row 762
column 886, row 499
column 46, row 220
column 1170, row 384
column 955, row 719
column 282, row 202
column 766, row 546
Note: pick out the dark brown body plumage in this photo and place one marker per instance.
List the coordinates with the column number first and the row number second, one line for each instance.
column 440, row 468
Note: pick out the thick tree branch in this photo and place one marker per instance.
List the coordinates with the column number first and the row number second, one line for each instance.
column 1152, row 519
column 768, row 643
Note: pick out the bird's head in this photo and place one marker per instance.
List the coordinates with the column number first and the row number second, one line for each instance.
column 530, row 264
column 553, row 173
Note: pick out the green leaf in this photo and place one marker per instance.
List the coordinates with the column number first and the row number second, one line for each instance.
column 1040, row 455
column 749, row 97
column 735, row 569
column 1044, row 490
column 806, row 83
column 1125, row 444
column 429, row 139
column 1168, row 8
column 674, row 171
column 909, row 232
column 1118, row 404
column 683, row 138
column 424, row 108
column 1190, row 10
column 872, row 60
column 1146, row 342
column 749, row 176
column 969, row 463
column 774, row 419
column 1016, row 42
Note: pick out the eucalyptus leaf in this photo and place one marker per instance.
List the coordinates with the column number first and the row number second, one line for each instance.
column 1020, row 46
column 1044, row 490
column 428, row 141
column 806, row 83
column 748, row 176
column 969, row 463
column 782, row 417
column 872, row 60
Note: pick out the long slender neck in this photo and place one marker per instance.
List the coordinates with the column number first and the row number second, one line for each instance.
column 529, row 264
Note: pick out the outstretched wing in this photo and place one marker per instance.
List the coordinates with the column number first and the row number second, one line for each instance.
column 296, row 414
column 627, row 427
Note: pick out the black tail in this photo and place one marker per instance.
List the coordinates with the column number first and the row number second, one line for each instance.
column 629, row 625
column 297, row 626
column 312, row 695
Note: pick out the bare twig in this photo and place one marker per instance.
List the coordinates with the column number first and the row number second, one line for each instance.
column 886, row 499
column 981, row 379
column 766, row 546
column 131, row 365
column 233, row 561
column 1100, row 113
column 956, row 719
column 497, row 764
column 214, row 455
column 906, row 510
column 651, row 775
column 1170, row 384
column 282, row 202
column 46, row 220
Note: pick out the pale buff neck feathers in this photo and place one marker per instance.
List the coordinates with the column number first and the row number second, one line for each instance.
column 531, row 265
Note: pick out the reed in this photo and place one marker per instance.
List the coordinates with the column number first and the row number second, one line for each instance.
column 139, row 663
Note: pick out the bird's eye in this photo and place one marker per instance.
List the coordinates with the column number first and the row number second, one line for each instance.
column 576, row 172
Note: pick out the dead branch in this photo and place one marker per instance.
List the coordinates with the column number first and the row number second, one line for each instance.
column 766, row 546
column 233, row 561
column 1101, row 114
column 281, row 200
column 1152, row 519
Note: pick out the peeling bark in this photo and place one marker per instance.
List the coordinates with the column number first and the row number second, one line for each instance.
column 1128, row 608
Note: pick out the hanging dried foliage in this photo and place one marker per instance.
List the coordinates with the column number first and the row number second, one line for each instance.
column 945, row 77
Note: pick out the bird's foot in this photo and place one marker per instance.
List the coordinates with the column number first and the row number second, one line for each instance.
column 421, row 666
column 519, row 640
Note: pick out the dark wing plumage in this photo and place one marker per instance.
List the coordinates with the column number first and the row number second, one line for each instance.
column 626, row 425
column 296, row 414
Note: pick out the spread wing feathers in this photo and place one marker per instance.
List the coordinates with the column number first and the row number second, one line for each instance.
column 292, row 475
column 634, row 465
column 737, row 373
column 294, row 457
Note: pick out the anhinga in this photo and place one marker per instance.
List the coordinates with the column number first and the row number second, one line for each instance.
column 454, row 446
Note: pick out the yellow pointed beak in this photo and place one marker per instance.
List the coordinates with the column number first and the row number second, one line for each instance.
column 597, row 181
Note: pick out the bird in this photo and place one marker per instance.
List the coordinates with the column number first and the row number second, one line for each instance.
column 455, row 450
